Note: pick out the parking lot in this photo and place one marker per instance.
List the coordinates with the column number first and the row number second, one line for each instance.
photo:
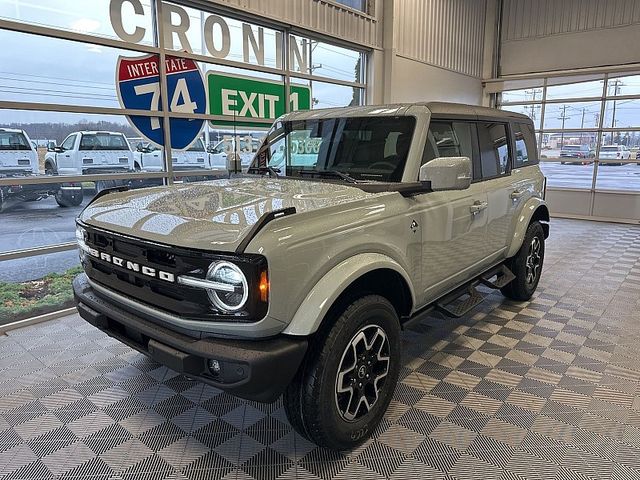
column 33, row 224
column 610, row 177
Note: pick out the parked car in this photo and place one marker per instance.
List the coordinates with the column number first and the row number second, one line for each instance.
column 244, row 146
column 88, row 153
column 195, row 157
column 299, row 283
column 619, row 152
column 19, row 158
column 577, row 151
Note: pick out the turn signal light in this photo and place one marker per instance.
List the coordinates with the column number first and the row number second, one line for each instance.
column 263, row 286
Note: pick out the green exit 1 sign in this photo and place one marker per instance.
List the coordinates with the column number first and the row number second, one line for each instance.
column 249, row 99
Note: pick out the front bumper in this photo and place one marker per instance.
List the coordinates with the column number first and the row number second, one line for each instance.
column 256, row 370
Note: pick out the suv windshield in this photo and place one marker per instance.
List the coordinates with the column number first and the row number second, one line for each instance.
column 613, row 148
column 13, row 141
column 370, row 149
column 103, row 141
column 572, row 147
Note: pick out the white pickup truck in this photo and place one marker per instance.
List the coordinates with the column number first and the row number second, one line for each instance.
column 88, row 153
column 245, row 146
column 19, row 158
column 148, row 157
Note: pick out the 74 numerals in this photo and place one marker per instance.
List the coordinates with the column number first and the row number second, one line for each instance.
column 180, row 101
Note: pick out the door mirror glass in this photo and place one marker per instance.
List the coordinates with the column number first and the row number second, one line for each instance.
column 447, row 173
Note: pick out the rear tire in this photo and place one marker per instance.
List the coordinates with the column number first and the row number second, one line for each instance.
column 347, row 380
column 526, row 265
column 69, row 200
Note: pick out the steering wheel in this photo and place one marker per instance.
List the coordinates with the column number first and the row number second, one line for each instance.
column 384, row 165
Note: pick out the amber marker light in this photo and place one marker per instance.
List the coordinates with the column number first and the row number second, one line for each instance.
column 263, row 286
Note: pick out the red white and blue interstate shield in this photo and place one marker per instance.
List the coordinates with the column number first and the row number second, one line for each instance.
column 138, row 85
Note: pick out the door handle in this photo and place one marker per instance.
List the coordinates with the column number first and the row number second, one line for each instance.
column 478, row 206
column 516, row 194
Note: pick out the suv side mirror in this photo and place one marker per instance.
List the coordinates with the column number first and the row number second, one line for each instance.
column 51, row 146
column 447, row 173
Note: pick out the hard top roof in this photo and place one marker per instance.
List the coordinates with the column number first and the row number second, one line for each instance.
column 436, row 108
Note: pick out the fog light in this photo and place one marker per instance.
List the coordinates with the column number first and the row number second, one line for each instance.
column 214, row 366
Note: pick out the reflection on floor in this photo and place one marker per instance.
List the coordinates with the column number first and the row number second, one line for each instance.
column 541, row 389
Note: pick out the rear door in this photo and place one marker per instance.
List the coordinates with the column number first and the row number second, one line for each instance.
column 506, row 151
column 453, row 222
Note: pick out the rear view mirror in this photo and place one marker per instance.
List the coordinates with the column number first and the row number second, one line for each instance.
column 447, row 173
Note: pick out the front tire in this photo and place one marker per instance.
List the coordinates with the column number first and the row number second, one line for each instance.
column 526, row 265
column 347, row 380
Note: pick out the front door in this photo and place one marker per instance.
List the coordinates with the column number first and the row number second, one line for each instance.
column 453, row 223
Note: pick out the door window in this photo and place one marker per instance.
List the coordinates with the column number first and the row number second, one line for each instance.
column 68, row 143
column 451, row 139
column 494, row 149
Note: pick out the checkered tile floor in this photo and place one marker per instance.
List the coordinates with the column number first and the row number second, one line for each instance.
column 542, row 389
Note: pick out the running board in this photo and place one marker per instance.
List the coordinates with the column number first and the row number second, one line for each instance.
column 464, row 299
column 452, row 305
column 503, row 275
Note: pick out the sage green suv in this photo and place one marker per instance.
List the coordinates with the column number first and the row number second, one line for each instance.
column 296, row 279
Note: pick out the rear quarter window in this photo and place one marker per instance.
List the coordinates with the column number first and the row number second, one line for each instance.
column 526, row 152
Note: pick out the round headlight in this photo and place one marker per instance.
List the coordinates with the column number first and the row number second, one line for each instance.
column 232, row 298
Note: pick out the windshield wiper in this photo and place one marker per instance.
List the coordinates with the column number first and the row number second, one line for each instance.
column 331, row 173
column 273, row 172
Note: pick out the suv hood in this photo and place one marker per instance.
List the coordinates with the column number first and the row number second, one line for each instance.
column 214, row 215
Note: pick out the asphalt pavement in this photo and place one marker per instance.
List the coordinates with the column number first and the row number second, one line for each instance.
column 33, row 224
column 610, row 177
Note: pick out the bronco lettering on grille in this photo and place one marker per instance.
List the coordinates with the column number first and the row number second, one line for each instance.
column 129, row 265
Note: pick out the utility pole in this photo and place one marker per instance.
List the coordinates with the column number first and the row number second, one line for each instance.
column 532, row 108
column 617, row 84
column 563, row 117
column 584, row 110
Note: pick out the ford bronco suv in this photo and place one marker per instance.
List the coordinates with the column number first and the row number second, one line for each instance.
column 297, row 278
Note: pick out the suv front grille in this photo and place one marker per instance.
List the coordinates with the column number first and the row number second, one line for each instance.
column 171, row 297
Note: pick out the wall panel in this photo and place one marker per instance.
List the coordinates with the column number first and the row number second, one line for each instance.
column 547, row 35
column 444, row 33
column 320, row 16
column 525, row 19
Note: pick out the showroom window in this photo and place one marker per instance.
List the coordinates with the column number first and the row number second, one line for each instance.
column 587, row 128
column 92, row 113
